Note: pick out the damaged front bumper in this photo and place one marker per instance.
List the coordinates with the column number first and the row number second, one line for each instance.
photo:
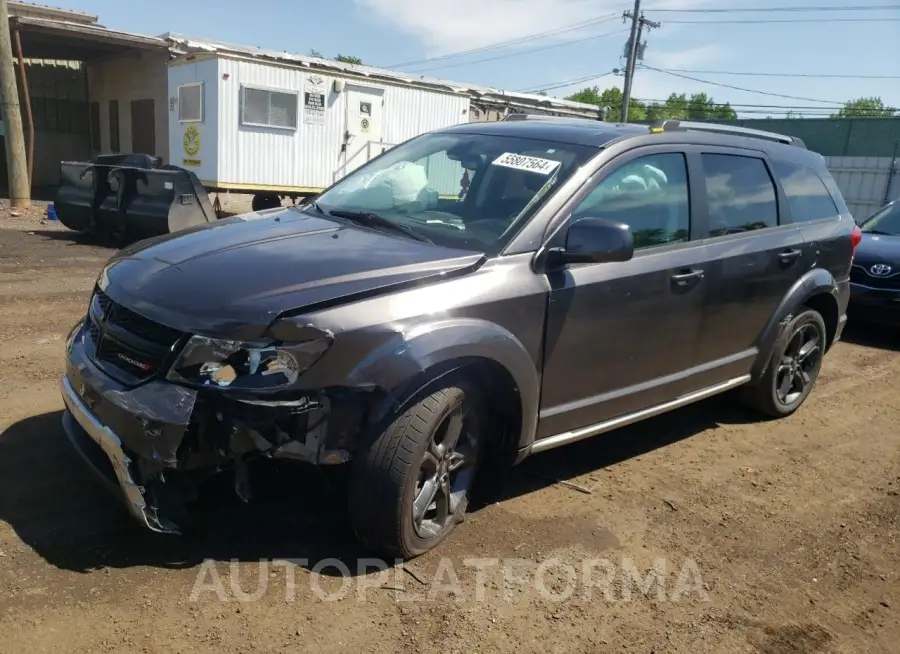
column 154, row 443
column 116, row 428
column 86, row 432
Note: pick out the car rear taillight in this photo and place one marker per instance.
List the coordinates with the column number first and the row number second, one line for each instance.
column 855, row 238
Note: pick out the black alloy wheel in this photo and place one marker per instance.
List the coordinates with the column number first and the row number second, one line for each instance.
column 412, row 475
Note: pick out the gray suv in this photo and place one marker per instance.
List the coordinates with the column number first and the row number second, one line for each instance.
column 485, row 291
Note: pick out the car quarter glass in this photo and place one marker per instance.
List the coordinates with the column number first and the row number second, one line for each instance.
column 807, row 195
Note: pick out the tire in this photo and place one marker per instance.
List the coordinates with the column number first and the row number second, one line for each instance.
column 793, row 368
column 403, row 462
column 263, row 201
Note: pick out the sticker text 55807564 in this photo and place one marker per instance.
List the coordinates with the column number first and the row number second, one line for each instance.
column 524, row 162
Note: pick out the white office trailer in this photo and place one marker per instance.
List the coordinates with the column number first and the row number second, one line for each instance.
column 282, row 125
column 243, row 119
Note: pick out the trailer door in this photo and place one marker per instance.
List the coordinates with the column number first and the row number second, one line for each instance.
column 365, row 107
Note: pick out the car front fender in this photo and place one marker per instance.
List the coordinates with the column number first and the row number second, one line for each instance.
column 414, row 356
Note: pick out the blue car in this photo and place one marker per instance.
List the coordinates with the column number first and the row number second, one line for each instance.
column 875, row 276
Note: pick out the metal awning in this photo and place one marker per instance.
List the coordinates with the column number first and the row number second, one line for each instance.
column 51, row 39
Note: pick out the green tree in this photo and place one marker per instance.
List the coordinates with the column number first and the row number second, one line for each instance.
column 346, row 59
column 698, row 106
column 866, row 107
column 612, row 98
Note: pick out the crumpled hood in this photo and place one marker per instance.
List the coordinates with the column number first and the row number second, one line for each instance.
column 232, row 278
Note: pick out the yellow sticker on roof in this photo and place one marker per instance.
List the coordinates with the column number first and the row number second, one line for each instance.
column 523, row 162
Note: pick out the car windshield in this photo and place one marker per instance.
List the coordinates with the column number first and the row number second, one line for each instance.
column 884, row 221
column 466, row 191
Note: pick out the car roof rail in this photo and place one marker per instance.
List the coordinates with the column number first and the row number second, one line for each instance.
column 716, row 128
column 601, row 116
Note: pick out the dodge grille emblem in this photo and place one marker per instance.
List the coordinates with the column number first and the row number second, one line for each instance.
column 134, row 362
column 880, row 270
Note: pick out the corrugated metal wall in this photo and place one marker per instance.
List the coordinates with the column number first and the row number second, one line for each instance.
column 836, row 137
column 415, row 112
column 832, row 137
column 265, row 156
column 205, row 71
column 410, row 112
column 865, row 182
column 310, row 155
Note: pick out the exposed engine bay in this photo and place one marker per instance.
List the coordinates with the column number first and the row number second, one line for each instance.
column 226, row 435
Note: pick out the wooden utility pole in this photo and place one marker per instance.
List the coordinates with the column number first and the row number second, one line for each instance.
column 13, row 134
column 638, row 23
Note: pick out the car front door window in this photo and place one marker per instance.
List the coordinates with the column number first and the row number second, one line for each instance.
column 634, row 316
column 649, row 194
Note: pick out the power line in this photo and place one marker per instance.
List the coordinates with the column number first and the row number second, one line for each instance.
column 734, row 10
column 520, row 52
column 613, row 16
column 605, row 18
column 775, row 108
column 815, row 112
column 739, row 88
column 769, row 21
column 801, row 113
column 749, row 74
column 750, row 105
column 550, row 86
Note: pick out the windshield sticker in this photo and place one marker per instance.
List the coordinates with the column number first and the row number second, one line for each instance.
column 523, row 162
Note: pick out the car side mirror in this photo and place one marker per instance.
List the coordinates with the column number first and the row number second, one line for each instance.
column 596, row 240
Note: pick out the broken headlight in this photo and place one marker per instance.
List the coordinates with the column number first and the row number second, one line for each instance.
column 245, row 366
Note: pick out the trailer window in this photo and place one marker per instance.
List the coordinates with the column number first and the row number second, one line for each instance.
column 190, row 103
column 266, row 108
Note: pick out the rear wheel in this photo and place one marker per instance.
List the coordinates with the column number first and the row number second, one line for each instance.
column 411, row 480
column 262, row 201
column 793, row 369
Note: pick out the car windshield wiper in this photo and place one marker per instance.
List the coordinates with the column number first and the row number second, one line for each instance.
column 315, row 205
column 878, row 232
column 370, row 219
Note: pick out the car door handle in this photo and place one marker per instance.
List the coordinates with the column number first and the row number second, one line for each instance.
column 789, row 256
column 687, row 276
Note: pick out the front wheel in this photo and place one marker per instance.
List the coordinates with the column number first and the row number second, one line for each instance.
column 793, row 369
column 411, row 480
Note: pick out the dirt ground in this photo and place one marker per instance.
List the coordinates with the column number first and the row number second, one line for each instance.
column 767, row 537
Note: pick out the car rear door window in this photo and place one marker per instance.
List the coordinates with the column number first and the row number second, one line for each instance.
column 649, row 194
column 807, row 195
column 740, row 194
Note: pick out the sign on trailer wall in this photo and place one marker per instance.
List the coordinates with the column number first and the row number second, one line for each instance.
column 314, row 101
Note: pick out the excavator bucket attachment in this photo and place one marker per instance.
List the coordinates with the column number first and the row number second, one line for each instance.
column 130, row 197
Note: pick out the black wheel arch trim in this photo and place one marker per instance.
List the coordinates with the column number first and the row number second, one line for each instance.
column 415, row 358
column 816, row 282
